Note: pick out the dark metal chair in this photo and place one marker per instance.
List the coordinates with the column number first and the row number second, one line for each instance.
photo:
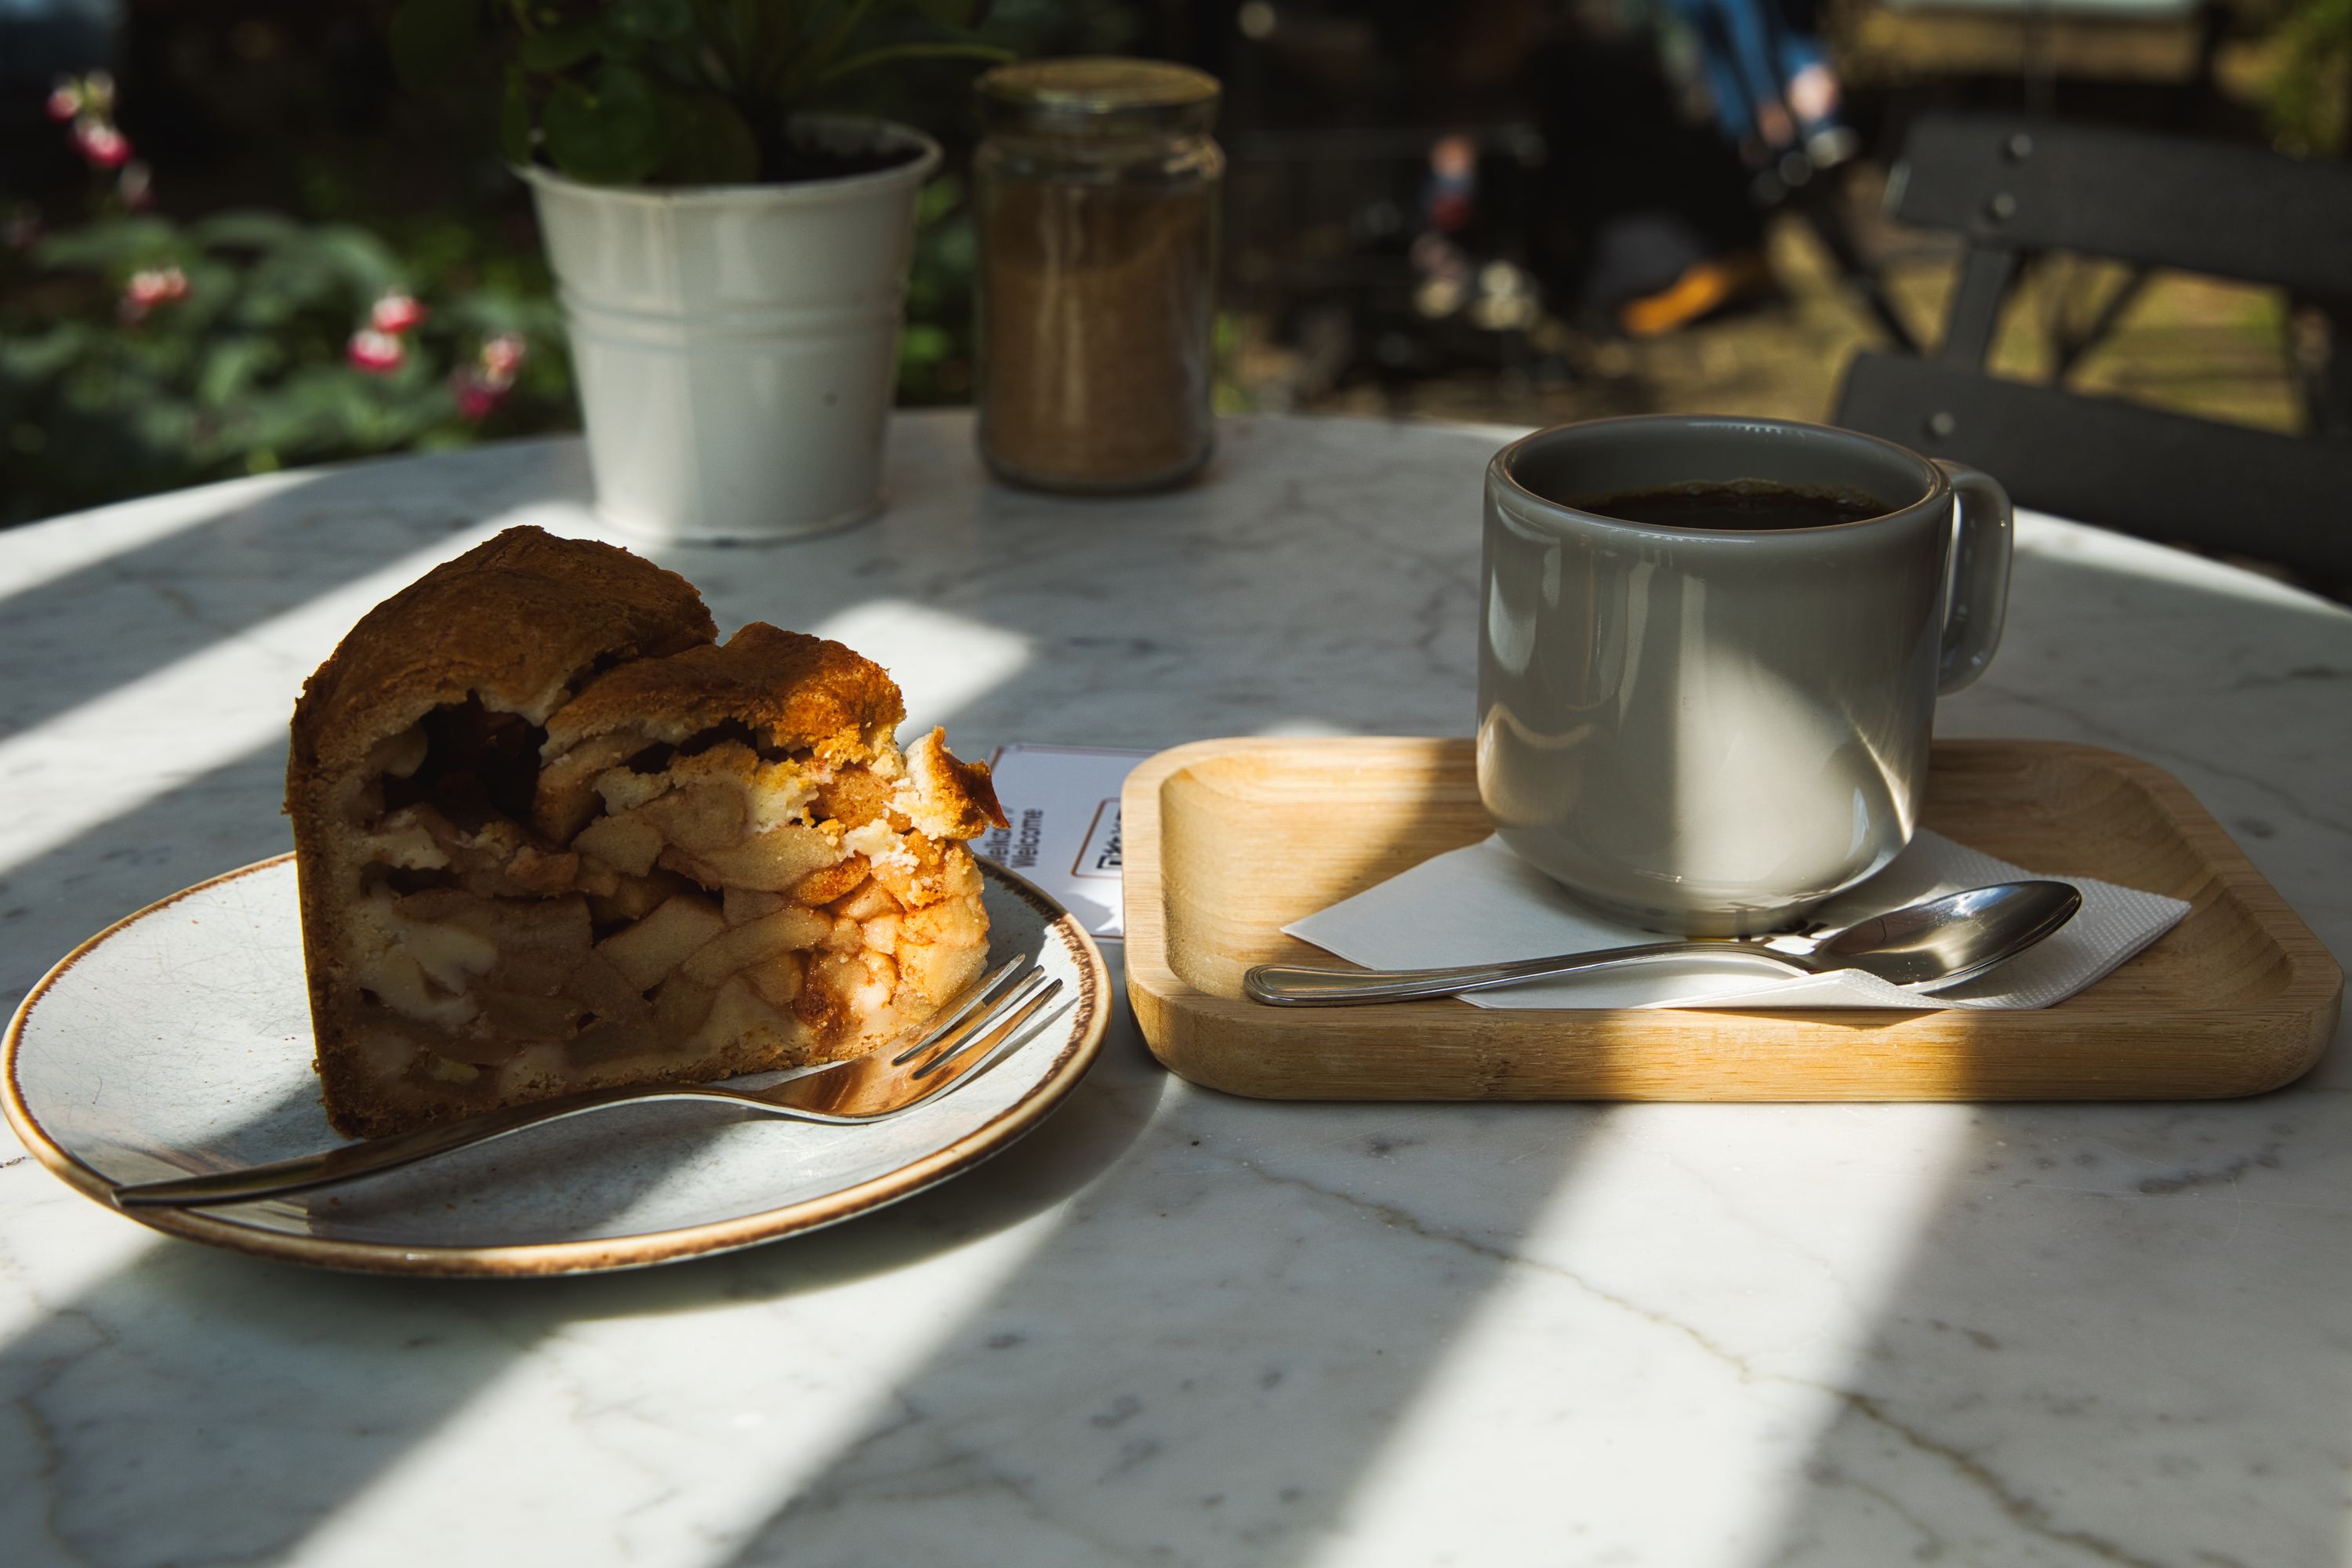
column 2016, row 186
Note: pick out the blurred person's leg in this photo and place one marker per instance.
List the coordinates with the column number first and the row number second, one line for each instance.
column 1727, row 87
column 1749, row 31
column 1811, row 88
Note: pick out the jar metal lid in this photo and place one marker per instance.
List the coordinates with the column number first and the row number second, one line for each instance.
column 1097, row 97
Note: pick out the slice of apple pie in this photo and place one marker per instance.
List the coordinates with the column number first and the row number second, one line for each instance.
column 551, row 836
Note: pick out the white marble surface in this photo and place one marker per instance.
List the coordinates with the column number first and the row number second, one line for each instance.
column 1172, row 1327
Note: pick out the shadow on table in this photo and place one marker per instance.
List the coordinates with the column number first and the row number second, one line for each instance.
column 217, row 821
column 168, row 1384
column 2117, row 1340
column 258, row 559
column 1186, row 1271
column 188, row 1375
column 1206, row 1266
column 2218, row 661
column 1207, row 1358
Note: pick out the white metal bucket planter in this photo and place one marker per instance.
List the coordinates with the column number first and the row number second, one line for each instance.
column 736, row 346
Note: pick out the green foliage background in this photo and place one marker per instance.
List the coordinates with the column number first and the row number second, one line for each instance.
column 668, row 91
column 247, row 372
column 296, row 184
column 2307, row 86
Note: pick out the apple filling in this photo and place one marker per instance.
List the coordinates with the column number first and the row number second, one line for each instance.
column 525, row 919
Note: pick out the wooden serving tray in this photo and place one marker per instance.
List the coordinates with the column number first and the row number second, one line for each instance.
column 1227, row 841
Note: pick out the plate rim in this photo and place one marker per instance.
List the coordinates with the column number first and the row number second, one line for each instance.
column 644, row 1249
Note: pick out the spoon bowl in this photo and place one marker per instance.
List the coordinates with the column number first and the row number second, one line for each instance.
column 1939, row 941
column 1951, row 939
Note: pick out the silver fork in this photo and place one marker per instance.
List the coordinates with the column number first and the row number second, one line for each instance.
column 979, row 1028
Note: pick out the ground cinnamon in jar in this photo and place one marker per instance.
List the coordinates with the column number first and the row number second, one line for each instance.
column 1098, row 256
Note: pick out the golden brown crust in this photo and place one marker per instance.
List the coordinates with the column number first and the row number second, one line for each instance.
column 957, row 799
column 517, row 619
column 792, row 690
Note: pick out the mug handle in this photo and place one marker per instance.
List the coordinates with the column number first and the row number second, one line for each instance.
column 1979, row 602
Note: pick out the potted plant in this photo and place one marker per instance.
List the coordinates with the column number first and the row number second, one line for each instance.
column 732, row 265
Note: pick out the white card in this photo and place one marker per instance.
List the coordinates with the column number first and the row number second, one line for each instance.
column 1062, row 804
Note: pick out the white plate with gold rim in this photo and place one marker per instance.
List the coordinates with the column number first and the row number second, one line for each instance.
column 177, row 1042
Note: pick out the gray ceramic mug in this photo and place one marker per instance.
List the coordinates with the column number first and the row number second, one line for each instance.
column 1712, row 731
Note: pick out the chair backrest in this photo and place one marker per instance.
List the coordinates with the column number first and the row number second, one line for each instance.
column 2090, row 10
column 2021, row 184
column 2015, row 185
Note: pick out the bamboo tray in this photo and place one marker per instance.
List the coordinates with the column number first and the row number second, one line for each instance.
column 1227, row 841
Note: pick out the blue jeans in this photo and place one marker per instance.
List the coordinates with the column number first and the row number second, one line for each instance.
column 1750, row 49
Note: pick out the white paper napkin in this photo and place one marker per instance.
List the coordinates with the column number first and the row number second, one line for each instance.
column 1484, row 904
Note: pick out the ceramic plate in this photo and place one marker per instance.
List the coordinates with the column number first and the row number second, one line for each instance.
column 178, row 1043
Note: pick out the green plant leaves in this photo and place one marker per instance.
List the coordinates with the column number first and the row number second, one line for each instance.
column 652, row 21
column 247, row 370
column 37, row 355
column 961, row 14
column 707, row 143
column 514, row 117
column 559, row 48
column 364, row 263
column 119, row 245
column 621, row 91
column 607, row 132
column 431, row 39
column 889, row 54
column 246, row 228
column 232, row 366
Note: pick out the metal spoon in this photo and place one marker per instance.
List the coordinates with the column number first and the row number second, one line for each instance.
column 1945, row 940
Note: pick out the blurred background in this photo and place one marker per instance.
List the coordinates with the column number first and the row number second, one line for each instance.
column 1522, row 211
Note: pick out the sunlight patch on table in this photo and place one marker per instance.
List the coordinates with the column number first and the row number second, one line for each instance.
column 62, row 1239
column 1687, row 1370
column 605, row 1443
column 941, row 661
column 91, row 764
column 126, row 747
column 41, row 552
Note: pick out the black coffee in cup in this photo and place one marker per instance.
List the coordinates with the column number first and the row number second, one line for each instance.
column 1735, row 505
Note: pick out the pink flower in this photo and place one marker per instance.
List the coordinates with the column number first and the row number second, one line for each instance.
column 502, row 357
column 136, row 186
column 480, row 388
column 65, row 100
column 476, row 399
column 396, row 314
column 151, row 287
column 156, row 285
column 378, row 354
column 101, row 143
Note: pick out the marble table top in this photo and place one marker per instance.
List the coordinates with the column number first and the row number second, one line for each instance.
column 1173, row 1327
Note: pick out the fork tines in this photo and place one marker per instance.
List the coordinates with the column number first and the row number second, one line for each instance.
column 964, row 1002
column 984, row 1016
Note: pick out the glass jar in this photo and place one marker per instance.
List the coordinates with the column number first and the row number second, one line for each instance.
column 1097, row 183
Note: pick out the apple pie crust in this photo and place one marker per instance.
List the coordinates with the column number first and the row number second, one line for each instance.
column 551, row 836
